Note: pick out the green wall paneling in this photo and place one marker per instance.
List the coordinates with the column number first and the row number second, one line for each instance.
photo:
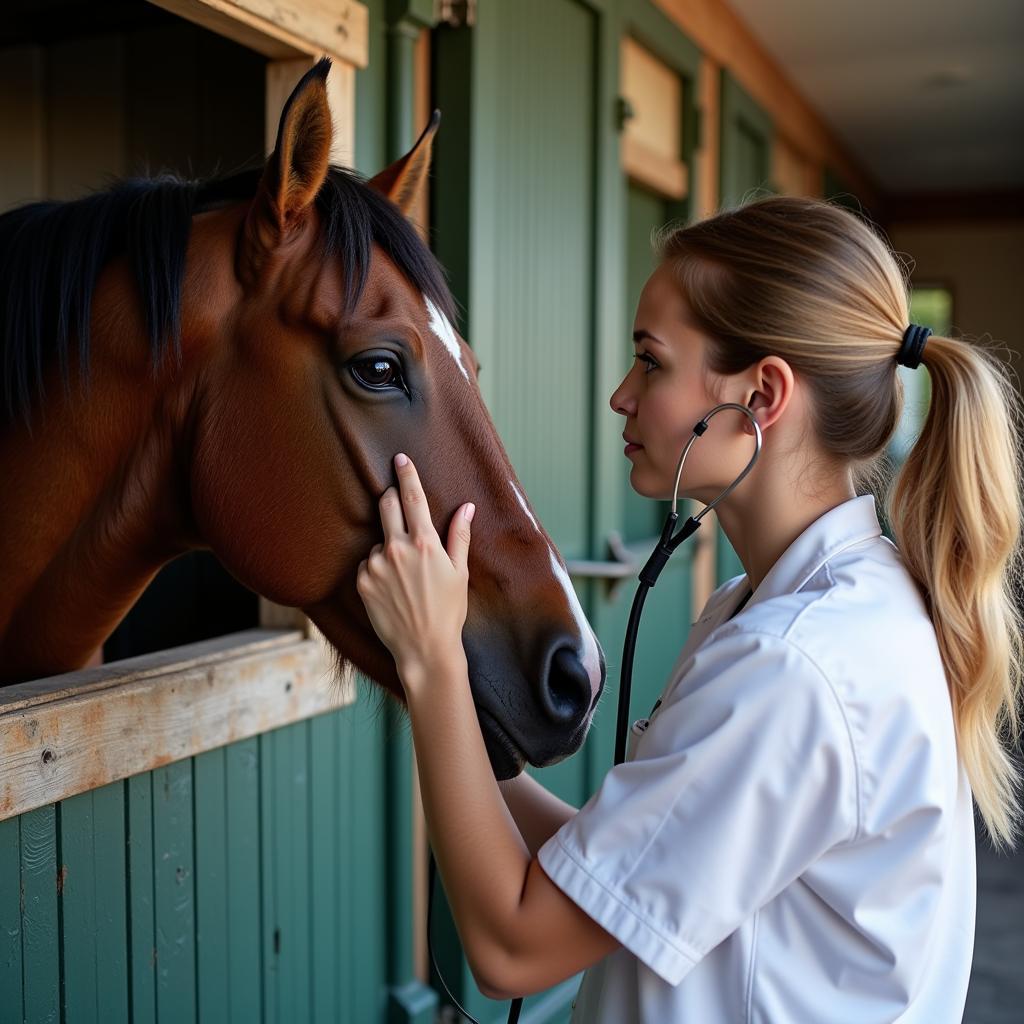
column 93, row 904
column 40, row 922
column 10, row 922
column 746, row 145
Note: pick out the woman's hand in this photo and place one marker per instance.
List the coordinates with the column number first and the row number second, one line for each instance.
column 416, row 591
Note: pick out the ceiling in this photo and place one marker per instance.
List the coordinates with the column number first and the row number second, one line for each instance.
column 927, row 95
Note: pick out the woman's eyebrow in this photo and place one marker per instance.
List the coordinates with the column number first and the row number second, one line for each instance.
column 639, row 336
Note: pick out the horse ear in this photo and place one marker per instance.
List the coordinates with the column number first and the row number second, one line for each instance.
column 295, row 170
column 403, row 181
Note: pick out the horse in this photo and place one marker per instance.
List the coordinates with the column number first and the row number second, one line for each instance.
column 230, row 364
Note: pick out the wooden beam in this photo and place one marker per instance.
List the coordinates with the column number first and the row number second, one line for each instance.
column 284, row 29
column 75, row 732
column 725, row 38
column 660, row 173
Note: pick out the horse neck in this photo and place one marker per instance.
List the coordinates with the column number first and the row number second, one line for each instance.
column 94, row 501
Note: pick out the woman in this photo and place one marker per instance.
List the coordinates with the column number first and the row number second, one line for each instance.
column 791, row 837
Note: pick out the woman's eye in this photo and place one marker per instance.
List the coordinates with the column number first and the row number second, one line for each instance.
column 645, row 358
column 378, row 373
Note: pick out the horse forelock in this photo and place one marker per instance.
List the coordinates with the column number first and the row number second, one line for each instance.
column 51, row 255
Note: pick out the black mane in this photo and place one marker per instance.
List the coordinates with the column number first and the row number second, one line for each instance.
column 51, row 254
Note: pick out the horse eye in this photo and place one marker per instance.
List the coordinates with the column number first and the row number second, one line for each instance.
column 377, row 373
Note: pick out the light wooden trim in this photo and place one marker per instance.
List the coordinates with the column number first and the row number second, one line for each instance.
column 655, row 92
column 75, row 732
column 792, row 173
column 422, row 109
column 284, row 75
column 284, row 29
column 709, row 96
column 724, row 37
column 664, row 175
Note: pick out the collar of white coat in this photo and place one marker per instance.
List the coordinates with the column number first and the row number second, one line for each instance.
column 852, row 522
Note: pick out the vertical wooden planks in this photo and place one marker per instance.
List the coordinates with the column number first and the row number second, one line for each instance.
column 285, row 845
column 325, row 784
column 248, row 883
column 211, row 875
column 138, row 793
column 10, row 922
column 91, row 891
column 242, row 778
column 40, row 919
column 173, row 891
column 363, row 759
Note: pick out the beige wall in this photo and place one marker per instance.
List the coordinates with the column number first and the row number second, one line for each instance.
column 981, row 262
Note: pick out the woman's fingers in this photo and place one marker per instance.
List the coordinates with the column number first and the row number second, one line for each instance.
column 391, row 514
column 414, row 501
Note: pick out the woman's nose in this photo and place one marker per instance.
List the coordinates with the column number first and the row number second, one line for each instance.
column 621, row 401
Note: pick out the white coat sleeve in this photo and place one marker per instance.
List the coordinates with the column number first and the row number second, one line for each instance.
column 745, row 776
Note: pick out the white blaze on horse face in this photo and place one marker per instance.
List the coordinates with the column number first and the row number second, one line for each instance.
column 526, row 508
column 442, row 327
column 589, row 657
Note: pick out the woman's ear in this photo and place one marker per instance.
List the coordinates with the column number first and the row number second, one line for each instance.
column 403, row 181
column 293, row 174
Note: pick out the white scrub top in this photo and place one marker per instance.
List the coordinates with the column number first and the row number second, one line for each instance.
column 791, row 838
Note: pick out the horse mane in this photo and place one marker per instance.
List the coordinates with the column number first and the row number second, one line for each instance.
column 51, row 254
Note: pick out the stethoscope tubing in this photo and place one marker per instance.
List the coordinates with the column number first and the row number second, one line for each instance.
column 667, row 544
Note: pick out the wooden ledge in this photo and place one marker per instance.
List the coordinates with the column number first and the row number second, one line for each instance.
column 283, row 29
column 74, row 732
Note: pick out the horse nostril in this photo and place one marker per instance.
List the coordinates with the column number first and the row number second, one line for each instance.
column 566, row 693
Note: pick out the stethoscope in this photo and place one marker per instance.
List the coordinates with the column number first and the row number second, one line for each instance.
column 667, row 543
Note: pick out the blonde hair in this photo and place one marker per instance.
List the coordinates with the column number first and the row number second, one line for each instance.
column 813, row 283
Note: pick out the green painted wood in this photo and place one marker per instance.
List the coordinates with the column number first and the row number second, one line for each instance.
column 174, row 891
column 242, row 779
column 180, row 884
column 10, row 922
column 141, row 906
column 93, row 906
column 366, row 735
column 41, row 964
column 325, row 782
column 213, row 936
column 746, row 145
column 285, row 812
column 297, row 851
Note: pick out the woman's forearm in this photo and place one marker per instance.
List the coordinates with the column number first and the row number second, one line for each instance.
column 538, row 813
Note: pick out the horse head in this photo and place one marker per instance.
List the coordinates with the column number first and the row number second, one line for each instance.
column 316, row 340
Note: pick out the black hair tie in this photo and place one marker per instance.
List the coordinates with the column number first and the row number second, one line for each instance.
column 910, row 351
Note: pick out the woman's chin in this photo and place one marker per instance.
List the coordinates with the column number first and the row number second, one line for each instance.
column 644, row 486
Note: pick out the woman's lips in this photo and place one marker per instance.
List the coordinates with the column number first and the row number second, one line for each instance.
column 630, row 448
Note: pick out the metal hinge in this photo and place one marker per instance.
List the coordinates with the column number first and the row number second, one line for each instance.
column 456, row 13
